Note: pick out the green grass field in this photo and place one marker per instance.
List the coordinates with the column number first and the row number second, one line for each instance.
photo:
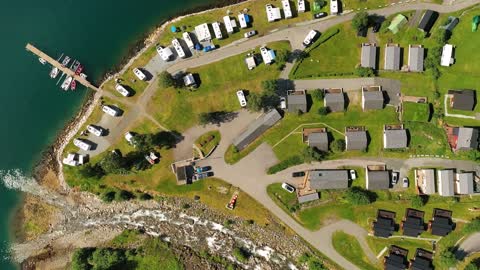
column 178, row 108
column 208, row 141
column 417, row 112
column 378, row 244
column 348, row 246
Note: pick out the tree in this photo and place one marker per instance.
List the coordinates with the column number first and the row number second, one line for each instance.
column 124, row 195
column 364, row 72
column 360, row 21
column 323, row 110
column 269, row 86
column 313, row 154
column 145, row 197
column 166, row 79
column 339, row 145
column 447, row 258
column 472, row 266
column 255, row 102
column 112, row 163
column 204, row 118
column 321, row 3
column 80, row 259
column 92, row 171
column 358, row 196
column 106, row 259
column 282, row 56
column 417, row 201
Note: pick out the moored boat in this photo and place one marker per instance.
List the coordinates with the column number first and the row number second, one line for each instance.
column 65, row 61
column 78, row 70
column 73, row 85
column 66, row 83
column 54, row 73
column 42, row 61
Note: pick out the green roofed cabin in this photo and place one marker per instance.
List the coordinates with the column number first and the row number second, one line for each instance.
column 397, row 22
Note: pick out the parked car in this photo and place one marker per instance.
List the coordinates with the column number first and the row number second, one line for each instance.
column 353, row 174
column 250, row 33
column 241, row 98
column 320, row 15
column 288, row 187
column 376, row 27
column 298, row 174
column 405, row 182
column 283, row 103
column 209, row 48
column 203, row 169
column 201, row 176
column 394, row 178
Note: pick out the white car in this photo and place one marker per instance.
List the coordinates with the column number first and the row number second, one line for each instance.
column 405, row 182
column 394, row 178
column 353, row 174
column 250, row 34
column 241, row 98
column 129, row 137
column 283, row 103
column 288, row 187
column 140, row 75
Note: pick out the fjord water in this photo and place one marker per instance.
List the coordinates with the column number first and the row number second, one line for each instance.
column 33, row 109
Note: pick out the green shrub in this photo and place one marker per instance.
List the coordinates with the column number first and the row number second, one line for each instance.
column 323, row 111
column 284, row 164
column 108, row 196
column 364, row 72
column 339, row 145
column 241, row 254
column 417, row 201
column 124, row 195
column 318, row 94
column 358, row 196
column 447, row 258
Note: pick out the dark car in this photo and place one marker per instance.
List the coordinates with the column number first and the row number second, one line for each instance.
column 376, row 27
column 298, row 174
column 320, row 15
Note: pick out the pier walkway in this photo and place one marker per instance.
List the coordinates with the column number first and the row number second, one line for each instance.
column 62, row 68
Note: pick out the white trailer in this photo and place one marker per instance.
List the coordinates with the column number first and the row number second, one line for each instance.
column 287, row 10
column 97, row 131
column 203, row 32
column 447, row 52
column 267, row 55
column 310, row 38
column 188, row 40
column 122, row 90
column 164, row 52
column 217, row 30
column 333, row 7
column 84, row 145
column 301, row 6
column 243, row 20
column 229, row 24
column 178, row 48
column 110, row 110
column 140, row 75
column 273, row 14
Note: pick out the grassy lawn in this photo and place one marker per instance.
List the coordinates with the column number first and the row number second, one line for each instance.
column 418, row 112
column 410, row 83
column 178, row 109
column 428, row 139
column 286, row 200
column 208, row 141
column 348, row 246
column 378, row 244
column 336, row 56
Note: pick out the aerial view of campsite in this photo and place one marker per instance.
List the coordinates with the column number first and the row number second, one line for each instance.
column 241, row 134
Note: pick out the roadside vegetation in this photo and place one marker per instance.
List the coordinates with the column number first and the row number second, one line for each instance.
column 348, row 246
column 208, row 141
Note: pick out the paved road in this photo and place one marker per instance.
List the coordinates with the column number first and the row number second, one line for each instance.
column 468, row 246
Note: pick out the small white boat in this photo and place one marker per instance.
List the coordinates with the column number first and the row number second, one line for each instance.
column 54, row 73
column 66, row 83
column 65, row 61
column 42, row 61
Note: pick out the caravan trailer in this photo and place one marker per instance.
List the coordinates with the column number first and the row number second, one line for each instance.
column 140, row 75
column 217, row 30
column 188, row 40
column 164, row 52
column 229, row 24
column 178, row 48
column 333, row 7
column 286, row 9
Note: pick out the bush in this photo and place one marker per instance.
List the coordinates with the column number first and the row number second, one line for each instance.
column 364, row 72
column 313, row 154
column 269, row 86
column 113, row 163
column 166, row 79
column 108, row 196
column 447, row 258
column 318, row 94
column 241, row 254
column 92, row 171
column 360, row 21
column 124, row 195
column 472, row 266
column 284, row 164
column 106, row 258
column 358, row 196
column 145, row 197
column 323, row 111
column 339, row 145
column 473, row 226
column 80, row 259
column 417, row 201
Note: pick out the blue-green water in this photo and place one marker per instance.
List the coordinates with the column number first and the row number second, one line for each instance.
column 33, row 109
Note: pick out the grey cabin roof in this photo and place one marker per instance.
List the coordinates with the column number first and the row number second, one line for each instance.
column 465, row 183
column 429, row 180
column 445, row 183
column 378, row 180
column 395, row 139
column 297, row 102
column 372, row 100
column 335, row 102
column 356, row 140
column 463, row 99
column 328, row 179
column 392, row 58
column 415, row 58
column 308, row 198
column 257, row 128
column 427, row 21
column 318, row 140
column 467, row 139
column 369, row 56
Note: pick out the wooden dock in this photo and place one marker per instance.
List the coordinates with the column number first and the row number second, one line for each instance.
column 62, row 68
